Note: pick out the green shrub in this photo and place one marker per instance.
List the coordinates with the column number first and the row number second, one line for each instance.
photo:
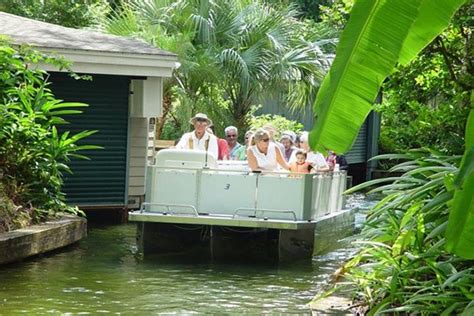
column 33, row 155
column 417, row 125
column 403, row 266
column 279, row 122
column 70, row 13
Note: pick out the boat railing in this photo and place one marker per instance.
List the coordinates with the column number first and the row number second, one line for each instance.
column 170, row 207
column 231, row 193
column 263, row 211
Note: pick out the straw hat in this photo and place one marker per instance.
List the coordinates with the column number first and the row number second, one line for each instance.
column 200, row 116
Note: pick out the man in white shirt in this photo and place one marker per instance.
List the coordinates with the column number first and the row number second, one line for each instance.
column 199, row 139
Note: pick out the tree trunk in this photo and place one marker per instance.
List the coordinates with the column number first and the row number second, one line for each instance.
column 161, row 121
column 240, row 112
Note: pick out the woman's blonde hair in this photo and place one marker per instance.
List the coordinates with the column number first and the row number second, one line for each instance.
column 259, row 134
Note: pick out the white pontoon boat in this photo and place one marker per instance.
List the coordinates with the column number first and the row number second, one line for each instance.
column 188, row 190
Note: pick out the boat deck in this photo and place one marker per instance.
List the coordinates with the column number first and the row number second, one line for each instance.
column 219, row 220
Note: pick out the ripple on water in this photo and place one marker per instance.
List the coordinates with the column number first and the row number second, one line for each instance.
column 103, row 275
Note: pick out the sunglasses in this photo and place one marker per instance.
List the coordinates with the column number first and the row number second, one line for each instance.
column 266, row 140
column 201, row 120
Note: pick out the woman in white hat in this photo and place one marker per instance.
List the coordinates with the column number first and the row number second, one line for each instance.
column 199, row 139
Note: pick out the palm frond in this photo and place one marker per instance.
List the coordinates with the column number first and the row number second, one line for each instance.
column 122, row 23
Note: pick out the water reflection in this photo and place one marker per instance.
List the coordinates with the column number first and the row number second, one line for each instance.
column 104, row 274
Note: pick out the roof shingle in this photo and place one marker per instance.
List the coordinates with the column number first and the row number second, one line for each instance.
column 46, row 35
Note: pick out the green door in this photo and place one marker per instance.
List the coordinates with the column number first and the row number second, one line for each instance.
column 102, row 180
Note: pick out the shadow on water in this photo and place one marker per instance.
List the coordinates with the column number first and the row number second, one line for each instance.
column 104, row 273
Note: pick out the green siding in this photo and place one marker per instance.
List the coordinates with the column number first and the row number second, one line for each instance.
column 358, row 152
column 100, row 181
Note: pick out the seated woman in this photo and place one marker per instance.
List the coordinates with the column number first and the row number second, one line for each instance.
column 287, row 139
column 264, row 155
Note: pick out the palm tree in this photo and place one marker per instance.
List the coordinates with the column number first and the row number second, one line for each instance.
column 265, row 53
column 244, row 48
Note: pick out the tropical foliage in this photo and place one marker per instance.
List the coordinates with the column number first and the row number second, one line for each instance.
column 33, row 154
column 366, row 56
column 403, row 266
column 368, row 50
column 310, row 9
column 212, row 103
column 279, row 122
column 426, row 103
column 71, row 13
column 245, row 49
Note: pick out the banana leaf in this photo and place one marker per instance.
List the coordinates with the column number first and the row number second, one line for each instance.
column 460, row 230
column 379, row 34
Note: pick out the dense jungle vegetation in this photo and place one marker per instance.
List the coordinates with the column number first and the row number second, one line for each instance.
column 416, row 254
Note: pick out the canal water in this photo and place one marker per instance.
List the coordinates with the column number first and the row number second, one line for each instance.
column 105, row 274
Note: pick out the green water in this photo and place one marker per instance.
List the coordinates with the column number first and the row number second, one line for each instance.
column 103, row 274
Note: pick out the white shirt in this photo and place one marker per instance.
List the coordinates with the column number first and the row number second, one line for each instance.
column 266, row 162
column 314, row 158
column 199, row 144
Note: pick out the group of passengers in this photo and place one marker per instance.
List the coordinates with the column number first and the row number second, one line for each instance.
column 261, row 150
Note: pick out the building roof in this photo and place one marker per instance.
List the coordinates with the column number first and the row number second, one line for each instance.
column 51, row 36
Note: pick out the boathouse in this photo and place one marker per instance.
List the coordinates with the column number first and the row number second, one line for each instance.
column 124, row 93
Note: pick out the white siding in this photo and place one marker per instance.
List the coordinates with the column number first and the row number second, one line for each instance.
column 137, row 160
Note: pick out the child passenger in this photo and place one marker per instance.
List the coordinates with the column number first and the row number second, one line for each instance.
column 300, row 165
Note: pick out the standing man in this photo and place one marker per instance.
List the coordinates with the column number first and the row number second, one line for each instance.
column 231, row 134
column 199, row 139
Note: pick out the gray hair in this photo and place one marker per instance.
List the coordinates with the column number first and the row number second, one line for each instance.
column 288, row 137
column 289, row 134
column 231, row 128
column 259, row 134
